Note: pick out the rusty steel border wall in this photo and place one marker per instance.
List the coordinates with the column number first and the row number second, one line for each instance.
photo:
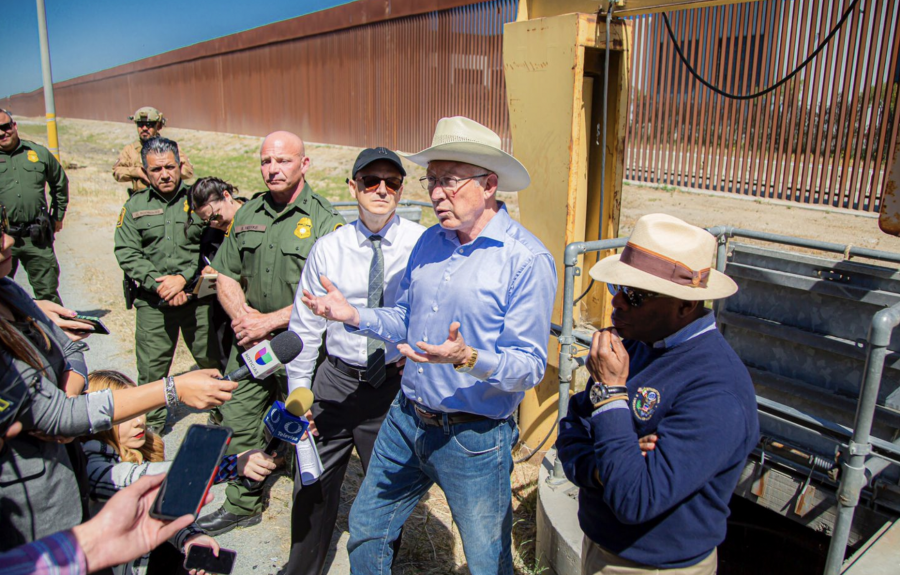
column 382, row 72
column 373, row 72
column 825, row 137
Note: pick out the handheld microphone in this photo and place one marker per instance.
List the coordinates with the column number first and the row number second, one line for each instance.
column 285, row 422
column 261, row 360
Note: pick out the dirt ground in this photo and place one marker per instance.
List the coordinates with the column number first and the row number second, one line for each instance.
column 92, row 281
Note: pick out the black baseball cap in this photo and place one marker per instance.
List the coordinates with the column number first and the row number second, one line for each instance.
column 370, row 155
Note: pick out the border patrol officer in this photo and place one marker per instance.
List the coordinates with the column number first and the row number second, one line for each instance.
column 159, row 254
column 25, row 170
column 259, row 267
column 128, row 168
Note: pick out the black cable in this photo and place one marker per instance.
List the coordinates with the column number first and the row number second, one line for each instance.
column 770, row 88
column 538, row 448
column 609, row 13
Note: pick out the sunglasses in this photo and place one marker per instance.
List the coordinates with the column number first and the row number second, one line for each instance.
column 371, row 183
column 635, row 297
column 7, row 127
column 146, row 124
column 4, row 221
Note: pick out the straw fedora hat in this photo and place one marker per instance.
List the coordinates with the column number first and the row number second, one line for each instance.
column 668, row 256
column 460, row 139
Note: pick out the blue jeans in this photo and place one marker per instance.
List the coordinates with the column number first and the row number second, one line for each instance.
column 471, row 462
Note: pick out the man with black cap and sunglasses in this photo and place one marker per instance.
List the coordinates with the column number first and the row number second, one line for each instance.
column 360, row 378
column 658, row 440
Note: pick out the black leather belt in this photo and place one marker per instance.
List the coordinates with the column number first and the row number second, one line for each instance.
column 437, row 419
column 390, row 370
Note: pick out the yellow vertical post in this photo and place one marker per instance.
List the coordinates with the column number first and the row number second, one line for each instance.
column 49, row 103
column 554, row 79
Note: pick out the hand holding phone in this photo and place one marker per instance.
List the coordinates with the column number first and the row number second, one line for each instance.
column 201, row 557
column 93, row 323
column 192, row 472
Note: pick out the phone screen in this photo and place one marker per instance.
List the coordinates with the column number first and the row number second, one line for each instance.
column 200, row 557
column 192, row 472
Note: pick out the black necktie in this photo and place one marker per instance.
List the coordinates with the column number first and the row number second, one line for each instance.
column 375, row 369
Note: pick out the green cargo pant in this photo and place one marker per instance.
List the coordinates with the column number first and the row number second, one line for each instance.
column 41, row 266
column 155, row 337
column 244, row 414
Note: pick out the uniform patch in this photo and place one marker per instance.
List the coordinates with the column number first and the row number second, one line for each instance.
column 249, row 228
column 304, row 228
column 33, row 157
column 186, row 207
column 336, row 226
column 645, row 402
column 121, row 218
column 142, row 213
column 228, row 231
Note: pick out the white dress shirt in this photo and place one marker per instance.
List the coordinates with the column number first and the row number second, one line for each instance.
column 344, row 257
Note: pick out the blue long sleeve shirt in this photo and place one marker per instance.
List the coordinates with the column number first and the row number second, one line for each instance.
column 500, row 287
column 668, row 509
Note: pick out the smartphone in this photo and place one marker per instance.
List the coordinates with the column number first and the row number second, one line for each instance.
column 94, row 321
column 192, row 472
column 200, row 557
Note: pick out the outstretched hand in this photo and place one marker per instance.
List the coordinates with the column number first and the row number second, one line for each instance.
column 333, row 305
column 454, row 349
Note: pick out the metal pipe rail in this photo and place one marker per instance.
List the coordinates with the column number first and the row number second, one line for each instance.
column 853, row 476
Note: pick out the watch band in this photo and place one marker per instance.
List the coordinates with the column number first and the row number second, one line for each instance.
column 469, row 364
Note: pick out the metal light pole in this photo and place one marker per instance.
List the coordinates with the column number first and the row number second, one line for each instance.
column 52, row 137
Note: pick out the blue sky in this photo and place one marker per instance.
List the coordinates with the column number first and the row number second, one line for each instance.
column 91, row 35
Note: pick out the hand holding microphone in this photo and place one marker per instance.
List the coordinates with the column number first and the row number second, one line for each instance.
column 285, row 422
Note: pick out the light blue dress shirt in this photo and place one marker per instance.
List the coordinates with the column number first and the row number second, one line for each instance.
column 500, row 287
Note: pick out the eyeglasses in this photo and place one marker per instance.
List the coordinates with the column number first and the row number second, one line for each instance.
column 371, row 183
column 4, row 221
column 446, row 183
column 635, row 297
column 7, row 127
column 146, row 124
column 213, row 218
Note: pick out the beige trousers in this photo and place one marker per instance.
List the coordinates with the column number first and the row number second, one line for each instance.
column 596, row 560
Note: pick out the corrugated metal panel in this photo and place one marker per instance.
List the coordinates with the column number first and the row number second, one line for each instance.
column 825, row 137
column 384, row 83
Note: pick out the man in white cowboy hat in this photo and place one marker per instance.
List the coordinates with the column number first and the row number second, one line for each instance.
column 658, row 440
column 473, row 316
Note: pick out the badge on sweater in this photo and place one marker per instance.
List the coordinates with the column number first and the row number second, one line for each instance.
column 304, row 228
column 33, row 157
column 645, row 402
column 186, row 207
column 121, row 218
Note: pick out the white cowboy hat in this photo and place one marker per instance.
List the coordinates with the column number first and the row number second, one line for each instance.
column 667, row 256
column 460, row 139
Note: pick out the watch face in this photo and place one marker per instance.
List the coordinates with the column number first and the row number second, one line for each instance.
column 596, row 393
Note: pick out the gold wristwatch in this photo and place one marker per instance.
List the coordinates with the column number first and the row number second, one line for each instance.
column 469, row 363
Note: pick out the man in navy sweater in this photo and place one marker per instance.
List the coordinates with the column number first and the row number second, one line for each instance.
column 675, row 379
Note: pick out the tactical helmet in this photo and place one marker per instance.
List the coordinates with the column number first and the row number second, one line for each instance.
column 148, row 114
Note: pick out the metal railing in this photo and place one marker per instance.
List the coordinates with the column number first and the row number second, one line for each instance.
column 860, row 445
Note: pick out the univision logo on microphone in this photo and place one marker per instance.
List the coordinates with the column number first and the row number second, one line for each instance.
column 261, row 360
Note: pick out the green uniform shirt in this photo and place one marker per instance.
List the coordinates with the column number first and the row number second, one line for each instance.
column 151, row 239
column 24, row 172
column 265, row 250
